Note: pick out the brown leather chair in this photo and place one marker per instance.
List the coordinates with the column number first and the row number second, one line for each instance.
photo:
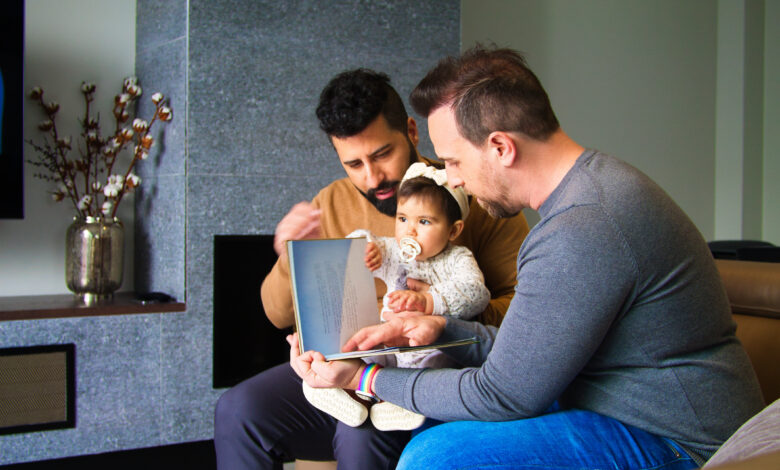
column 753, row 289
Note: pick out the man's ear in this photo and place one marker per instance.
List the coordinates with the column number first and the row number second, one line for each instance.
column 455, row 230
column 503, row 147
column 412, row 132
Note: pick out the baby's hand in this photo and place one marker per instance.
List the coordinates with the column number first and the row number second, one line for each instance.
column 373, row 256
column 408, row 301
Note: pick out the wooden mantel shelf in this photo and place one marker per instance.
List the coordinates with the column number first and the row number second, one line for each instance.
column 34, row 307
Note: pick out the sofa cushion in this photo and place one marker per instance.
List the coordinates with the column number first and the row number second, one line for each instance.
column 761, row 462
column 759, row 435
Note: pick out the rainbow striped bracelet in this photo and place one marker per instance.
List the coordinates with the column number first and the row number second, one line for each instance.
column 367, row 381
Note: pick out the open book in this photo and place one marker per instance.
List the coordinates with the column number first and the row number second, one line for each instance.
column 334, row 296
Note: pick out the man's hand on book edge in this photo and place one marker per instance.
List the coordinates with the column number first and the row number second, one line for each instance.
column 401, row 329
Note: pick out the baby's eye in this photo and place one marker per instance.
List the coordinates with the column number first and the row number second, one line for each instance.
column 425, row 221
column 401, row 218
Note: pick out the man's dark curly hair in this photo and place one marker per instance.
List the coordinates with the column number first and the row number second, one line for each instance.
column 353, row 99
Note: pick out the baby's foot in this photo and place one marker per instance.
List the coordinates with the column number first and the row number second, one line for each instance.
column 337, row 403
column 386, row 416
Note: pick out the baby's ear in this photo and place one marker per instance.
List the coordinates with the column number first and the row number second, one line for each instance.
column 455, row 230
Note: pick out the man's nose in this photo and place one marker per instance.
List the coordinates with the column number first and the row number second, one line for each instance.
column 453, row 178
column 373, row 176
column 455, row 181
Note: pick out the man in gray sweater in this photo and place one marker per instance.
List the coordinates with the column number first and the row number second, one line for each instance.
column 618, row 349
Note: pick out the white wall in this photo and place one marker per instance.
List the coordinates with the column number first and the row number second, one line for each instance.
column 67, row 42
column 739, row 123
column 644, row 80
column 771, row 170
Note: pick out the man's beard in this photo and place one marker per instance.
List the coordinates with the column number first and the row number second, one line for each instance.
column 496, row 210
column 494, row 207
column 388, row 206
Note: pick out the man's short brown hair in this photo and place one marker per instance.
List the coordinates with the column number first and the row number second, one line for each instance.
column 489, row 90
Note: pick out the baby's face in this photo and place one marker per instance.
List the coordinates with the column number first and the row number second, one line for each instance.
column 425, row 222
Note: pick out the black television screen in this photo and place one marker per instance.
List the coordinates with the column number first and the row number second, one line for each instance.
column 11, row 109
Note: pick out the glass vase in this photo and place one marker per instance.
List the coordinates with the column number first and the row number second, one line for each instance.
column 94, row 257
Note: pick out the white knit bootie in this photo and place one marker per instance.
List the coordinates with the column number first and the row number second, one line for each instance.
column 337, row 403
column 386, row 416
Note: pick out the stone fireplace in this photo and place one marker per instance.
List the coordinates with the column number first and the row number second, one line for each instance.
column 245, row 342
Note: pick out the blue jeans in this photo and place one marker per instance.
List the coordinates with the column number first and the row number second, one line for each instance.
column 571, row 439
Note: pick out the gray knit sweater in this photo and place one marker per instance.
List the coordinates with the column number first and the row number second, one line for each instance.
column 618, row 309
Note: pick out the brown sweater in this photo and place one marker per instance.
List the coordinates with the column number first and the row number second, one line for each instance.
column 495, row 244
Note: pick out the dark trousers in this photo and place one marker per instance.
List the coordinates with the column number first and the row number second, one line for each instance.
column 265, row 421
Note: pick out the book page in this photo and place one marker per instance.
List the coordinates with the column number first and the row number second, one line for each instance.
column 357, row 309
column 333, row 291
column 328, row 293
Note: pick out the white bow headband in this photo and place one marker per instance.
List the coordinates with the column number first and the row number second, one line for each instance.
column 440, row 178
